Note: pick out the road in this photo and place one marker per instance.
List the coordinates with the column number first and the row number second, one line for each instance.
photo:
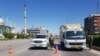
column 23, row 48
column 75, row 52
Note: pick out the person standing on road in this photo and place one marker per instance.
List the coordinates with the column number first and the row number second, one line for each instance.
column 51, row 42
column 90, row 37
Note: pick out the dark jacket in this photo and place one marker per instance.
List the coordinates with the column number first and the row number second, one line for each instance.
column 51, row 39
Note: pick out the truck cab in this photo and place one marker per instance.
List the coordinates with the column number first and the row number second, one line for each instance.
column 72, row 36
column 74, row 39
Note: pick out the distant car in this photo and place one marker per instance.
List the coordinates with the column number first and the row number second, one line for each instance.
column 2, row 37
column 41, row 40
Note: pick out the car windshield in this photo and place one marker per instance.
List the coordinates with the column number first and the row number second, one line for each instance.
column 74, row 35
column 41, row 36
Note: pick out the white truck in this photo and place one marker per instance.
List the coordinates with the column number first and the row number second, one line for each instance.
column 41, row 40
column 72, row 36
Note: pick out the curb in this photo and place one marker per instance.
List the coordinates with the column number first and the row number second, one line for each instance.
column 96, row 48
column 95, row 52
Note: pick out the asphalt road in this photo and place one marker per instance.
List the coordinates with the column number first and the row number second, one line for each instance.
column 76, row 52
column 23, row 48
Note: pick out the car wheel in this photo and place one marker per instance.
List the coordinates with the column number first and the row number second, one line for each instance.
column 47, row 46
column 81, row 49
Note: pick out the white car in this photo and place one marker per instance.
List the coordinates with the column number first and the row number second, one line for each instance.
column 2, row 37
column 41, row 40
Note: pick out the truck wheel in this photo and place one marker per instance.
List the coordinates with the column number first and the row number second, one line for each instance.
column 81, row 49
column 46, row 47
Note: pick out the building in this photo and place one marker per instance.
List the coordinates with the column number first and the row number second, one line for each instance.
column 37, row 30
column 4, row 28
column 34, row 31
column 92, row 24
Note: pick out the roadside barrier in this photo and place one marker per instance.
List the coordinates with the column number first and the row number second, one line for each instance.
column 56, row 51
column 10, row 51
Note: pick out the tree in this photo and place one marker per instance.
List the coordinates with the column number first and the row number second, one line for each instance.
column 20, row 36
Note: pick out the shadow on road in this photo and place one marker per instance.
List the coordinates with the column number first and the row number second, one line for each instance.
column 37, row 48
column 61, row 48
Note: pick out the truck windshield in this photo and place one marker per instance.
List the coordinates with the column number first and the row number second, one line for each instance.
column 75, row 35
column 70, row 33
column 79, row 33
column 41, row 36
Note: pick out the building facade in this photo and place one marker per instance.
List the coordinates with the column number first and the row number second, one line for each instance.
column 37, row 30
column 4, row 28
column 92, row 24
column 34, row 31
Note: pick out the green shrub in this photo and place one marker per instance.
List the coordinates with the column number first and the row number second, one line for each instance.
column 96, row 40
column 31, row 35
column 20, row 36
column 9, row 35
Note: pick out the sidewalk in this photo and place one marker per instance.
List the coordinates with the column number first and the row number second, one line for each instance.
column 95, row 48
column 95, row 51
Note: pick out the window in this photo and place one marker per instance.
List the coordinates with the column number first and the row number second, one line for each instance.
column 41, row 36
column 75, row 35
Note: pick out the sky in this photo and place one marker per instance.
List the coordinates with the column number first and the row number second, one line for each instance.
column 50, row 14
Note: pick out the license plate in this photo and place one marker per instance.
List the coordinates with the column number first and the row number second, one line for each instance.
column 75, row 46
column 37, row 45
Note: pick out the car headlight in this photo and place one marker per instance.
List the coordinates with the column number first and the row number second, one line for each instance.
column 32, row 41
column 84, row 43
column 45, row 41
column 65, row 42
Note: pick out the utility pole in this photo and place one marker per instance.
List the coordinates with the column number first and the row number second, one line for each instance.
column 25, row 19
